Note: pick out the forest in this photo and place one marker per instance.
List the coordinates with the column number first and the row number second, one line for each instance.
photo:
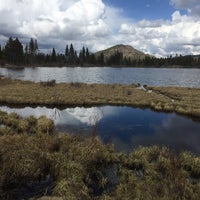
column 16, row 53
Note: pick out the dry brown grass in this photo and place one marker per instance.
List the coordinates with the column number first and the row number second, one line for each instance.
column 181, row 100
column 76, row 166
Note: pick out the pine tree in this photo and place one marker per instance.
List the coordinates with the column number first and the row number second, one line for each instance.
column 87, row 56
column 67, row 53
column 71, row 54
column 101, row 59
column 92, row 59
column 35, row 47
column 83, row 54
column 18, row 49
column 32, row 47
column 8, row 50
column 75, row 60
column 53, row 55
column 33, row 50
column 14, row 51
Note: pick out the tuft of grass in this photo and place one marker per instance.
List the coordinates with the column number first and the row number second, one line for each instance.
column 14, row 124
column 50, row 83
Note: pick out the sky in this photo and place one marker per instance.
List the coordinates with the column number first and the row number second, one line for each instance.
column 157, row 27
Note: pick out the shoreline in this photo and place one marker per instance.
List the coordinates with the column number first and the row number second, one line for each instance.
column 11, row 66
column 180, row 100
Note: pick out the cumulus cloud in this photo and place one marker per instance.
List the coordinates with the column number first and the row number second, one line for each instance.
column 180, row 35
column 67, row 20
column 192, row 6
column 55, row 23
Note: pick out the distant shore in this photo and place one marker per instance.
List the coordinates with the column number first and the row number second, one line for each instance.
column 11, row 66
column 169, row 99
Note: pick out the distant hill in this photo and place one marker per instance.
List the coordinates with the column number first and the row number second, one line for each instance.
column 127, row 51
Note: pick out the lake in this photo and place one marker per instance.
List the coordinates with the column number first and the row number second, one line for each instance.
column 108, row 75
column 125, row 127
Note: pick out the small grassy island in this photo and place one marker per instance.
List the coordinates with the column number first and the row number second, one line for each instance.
column 37, row 163
column 171, row 99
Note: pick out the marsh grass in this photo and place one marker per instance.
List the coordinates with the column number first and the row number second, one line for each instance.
column 154, row 173
column 50, row 83
column 30, row 151
column 182, row 100
column 22, row 92
column 171, row 99
column 14, row 124
column 76, row 166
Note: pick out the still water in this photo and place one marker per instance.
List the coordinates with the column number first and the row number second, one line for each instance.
column 125, row 127
column 109, row 75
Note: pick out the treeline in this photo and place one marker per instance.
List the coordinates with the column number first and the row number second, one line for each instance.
column 15, row 53
column 178, row 60
column 149, row 61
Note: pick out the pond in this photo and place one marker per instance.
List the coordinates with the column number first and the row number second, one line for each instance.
column 125, row 127
column 108, row 75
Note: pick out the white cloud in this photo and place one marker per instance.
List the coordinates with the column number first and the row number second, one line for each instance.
column 180, row 35
column 67, row 20
column 56, row 23
column 192, row 6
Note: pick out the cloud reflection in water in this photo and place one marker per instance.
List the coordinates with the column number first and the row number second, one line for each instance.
column 126, row 127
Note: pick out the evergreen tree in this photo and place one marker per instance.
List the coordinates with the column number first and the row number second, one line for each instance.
column 53, row 55
column 115, row 59
column 100, row 59
column 71, row 54
column 14, row 51
column 83, row 54
column 8, row 50
column 75, row 58
column 35, row 47
column 47, row 58
column 81, row 57
column 92, row 59
column 67, row 53
column 32, row 47
column 87, row 56
column 19, row 53
column 33, row 50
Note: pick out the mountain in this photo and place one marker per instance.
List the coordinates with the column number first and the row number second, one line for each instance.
column 127, row 51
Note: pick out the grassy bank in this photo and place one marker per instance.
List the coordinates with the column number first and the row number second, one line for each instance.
column 36, row 163
column 181, row 100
